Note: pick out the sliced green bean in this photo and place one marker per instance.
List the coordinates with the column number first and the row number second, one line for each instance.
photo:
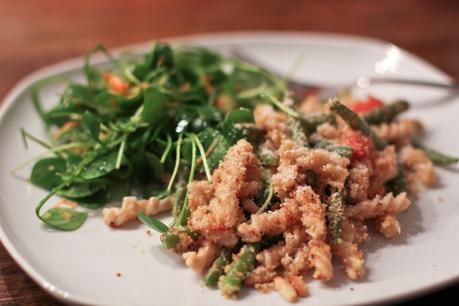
column 386, row 113
column 438, row 158
column 311, row 122
column 355, row 122
column 230, row 284
column 335, row 215
column 298, row 132
column 344, row 151
column 218, row 268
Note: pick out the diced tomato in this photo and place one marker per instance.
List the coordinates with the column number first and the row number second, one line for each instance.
column 116, row 84
column 367, row 105
column 361, row 145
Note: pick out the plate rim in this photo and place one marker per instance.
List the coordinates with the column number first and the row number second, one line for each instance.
column 73, row 63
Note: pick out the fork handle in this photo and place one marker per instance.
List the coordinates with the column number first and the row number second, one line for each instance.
column 364, row 82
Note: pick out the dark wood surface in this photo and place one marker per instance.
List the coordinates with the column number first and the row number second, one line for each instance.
column 36, row 33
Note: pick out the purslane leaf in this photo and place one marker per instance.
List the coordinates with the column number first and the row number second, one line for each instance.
column 45, row 172
column 62, row 218
column 153, row 223
column 92, row 125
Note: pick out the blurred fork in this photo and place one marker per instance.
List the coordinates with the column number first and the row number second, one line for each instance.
column 325, row 92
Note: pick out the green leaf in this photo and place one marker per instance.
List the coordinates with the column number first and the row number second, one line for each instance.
column 95, row 201
column 238, row 125
column 81, row 190
column 140, row 71
column 45, row 172
column 154, row 105
column 153, row 223
column 209, row 136
column 241, row 115
column 35, row 94
column 79, row 94
column 155, row 164
column 65, row 219
column 61, row 113
column 93, row 76
column 160, row 55
column 92, row 125
column 101, row 166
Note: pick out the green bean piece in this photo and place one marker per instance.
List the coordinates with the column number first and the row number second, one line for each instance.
column 335, row 215
column 397, row 185
column 171, row 238
column 230, row 284
column 249, row 131
column 218, row 268
column 438, row 158
column 386, row 113
column 342, row 150
column 298, row 132
column 355, row 122
column 311, row 122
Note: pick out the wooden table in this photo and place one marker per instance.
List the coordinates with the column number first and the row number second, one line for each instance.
column 37, row 33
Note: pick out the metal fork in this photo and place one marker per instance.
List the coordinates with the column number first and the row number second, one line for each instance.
column 324, row 92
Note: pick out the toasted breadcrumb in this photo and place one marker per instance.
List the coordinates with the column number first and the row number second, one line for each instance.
column 218, row 219
column 294, row 161
column 379, row 206
column 270, row 258
column 360, row 231
column 358, row 182
column 346, row 248
column 270, row 223
column 274, row 123
column 313, row 212
column 327, row 131
column 384, row 169
column 388, row 226
column 311, row 104
column 285, row 289
column 260, row 275
column 199, row 194
column 419, row 169
column 351, row 257
column 354, row 231
column 116, row 217
column 277, row 221
column 249, row 189
column 201, row 260
column 319, row 256
column 294, row 237
column 298, row 263
column 398, row 132
column 298, row 284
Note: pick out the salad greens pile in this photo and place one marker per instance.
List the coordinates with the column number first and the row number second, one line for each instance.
column 143, row 124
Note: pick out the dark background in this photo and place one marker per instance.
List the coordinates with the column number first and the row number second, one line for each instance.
column 36, row 33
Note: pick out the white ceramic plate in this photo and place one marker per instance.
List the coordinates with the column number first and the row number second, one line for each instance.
column 80, row 267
